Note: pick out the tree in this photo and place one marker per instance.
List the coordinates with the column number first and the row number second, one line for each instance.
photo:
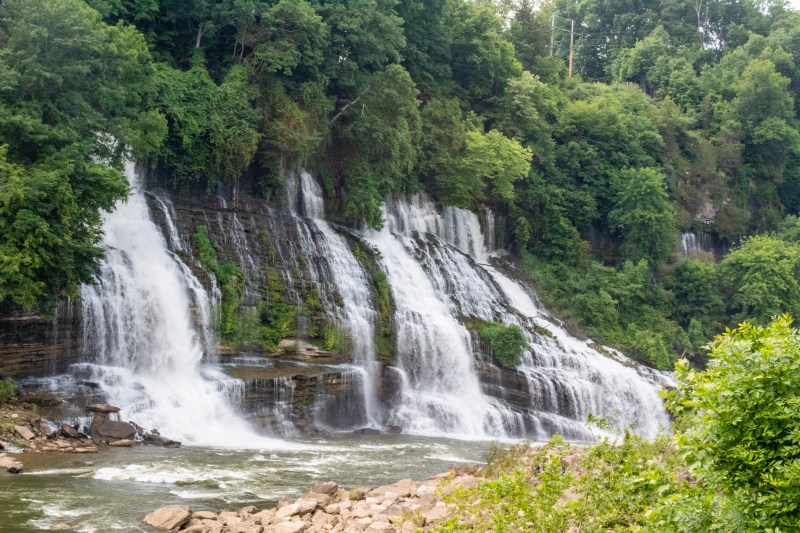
column 762, row 278
column 377, row 142
column 739, row 422
column 76, row 99
column 490, row 161
column 643, row 216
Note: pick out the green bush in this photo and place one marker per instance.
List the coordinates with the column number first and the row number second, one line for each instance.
column 8, row 389
column 507, row 342
column 739, row 424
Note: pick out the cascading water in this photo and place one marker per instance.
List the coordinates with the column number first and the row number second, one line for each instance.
column 357, row 313
column 441, row 393
column 438, row 269
column 145, row 351
column 693, row 243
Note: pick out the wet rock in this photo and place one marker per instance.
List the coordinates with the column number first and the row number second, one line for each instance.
column 121, row 443
column 10, row 465
column 157, row 440
column 24, row 432
column 204, row 515
column 44, row 429
column 394, row 429
column 102, row 408
column 69, row 431
column 113, row 429
column 169, row 517
column 367, row 431
column 47, row 399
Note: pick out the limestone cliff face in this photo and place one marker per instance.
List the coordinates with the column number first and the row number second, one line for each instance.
column 294, row 388
column 33, row 346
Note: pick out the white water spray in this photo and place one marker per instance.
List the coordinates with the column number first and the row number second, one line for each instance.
column 146, row 353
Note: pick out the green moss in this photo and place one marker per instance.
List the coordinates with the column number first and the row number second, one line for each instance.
column 384, row 332
column 231, row 282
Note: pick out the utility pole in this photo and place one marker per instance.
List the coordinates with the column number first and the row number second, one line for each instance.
column 552, row 32
column 571, row 42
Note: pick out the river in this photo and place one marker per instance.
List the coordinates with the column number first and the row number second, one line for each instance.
column 123, row 485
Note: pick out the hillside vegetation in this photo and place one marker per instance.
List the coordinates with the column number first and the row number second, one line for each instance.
column 679, row 116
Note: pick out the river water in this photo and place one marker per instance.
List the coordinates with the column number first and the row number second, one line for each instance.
column 123, row 485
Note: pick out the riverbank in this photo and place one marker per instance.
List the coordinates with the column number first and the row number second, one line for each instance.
column 554, row 487
column 405, row 506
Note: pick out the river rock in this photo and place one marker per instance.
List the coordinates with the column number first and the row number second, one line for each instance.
column 47, row 399
column 204, row 515
column 116, row 430
column 10, row 465
column 328, row 487
column 24, row 432
column 69, row 431
column 169, row 517
column 102, row 408
column 122, row 443
column 286, row 527
column 158, row 440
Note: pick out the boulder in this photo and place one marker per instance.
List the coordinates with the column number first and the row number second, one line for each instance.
column 286, row 527
column 169, row 517
column 10, row 465
column 24, row 432
column 328, row 487
column 204, row 515
column 47, row 399
column 44, row 429
column 69, row 431
column 102, row 408
column 158, row 440
column 113, row 429
column 121, row 443
column 358, row 494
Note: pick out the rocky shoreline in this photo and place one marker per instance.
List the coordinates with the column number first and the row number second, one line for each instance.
column 23, row 430
column 404, row 506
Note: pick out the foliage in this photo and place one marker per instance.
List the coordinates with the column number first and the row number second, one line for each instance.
column 643, row 215
column 230, row 278
column 506, row 342
column 762, row 276
column 75, row 98
column 8, row 389
column 739, row 421
column 605, row 487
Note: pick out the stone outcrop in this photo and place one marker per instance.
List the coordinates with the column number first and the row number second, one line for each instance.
column 403, row 506
column 38, row 346
column 169, row 518
column 103, row 408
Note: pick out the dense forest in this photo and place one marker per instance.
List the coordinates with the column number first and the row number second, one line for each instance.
column 678, row 116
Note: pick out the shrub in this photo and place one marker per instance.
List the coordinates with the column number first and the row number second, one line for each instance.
column 8, row 389
column 507, row 342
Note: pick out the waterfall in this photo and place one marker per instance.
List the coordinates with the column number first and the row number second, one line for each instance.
column 440, row 390
column 439, row 273
column 357, row 314
column 693, row 243
column 142, row 344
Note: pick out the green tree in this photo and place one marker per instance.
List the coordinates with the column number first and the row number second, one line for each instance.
column 490, row 161
column 762, row 278
column 643, row 216
column 75, row 100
